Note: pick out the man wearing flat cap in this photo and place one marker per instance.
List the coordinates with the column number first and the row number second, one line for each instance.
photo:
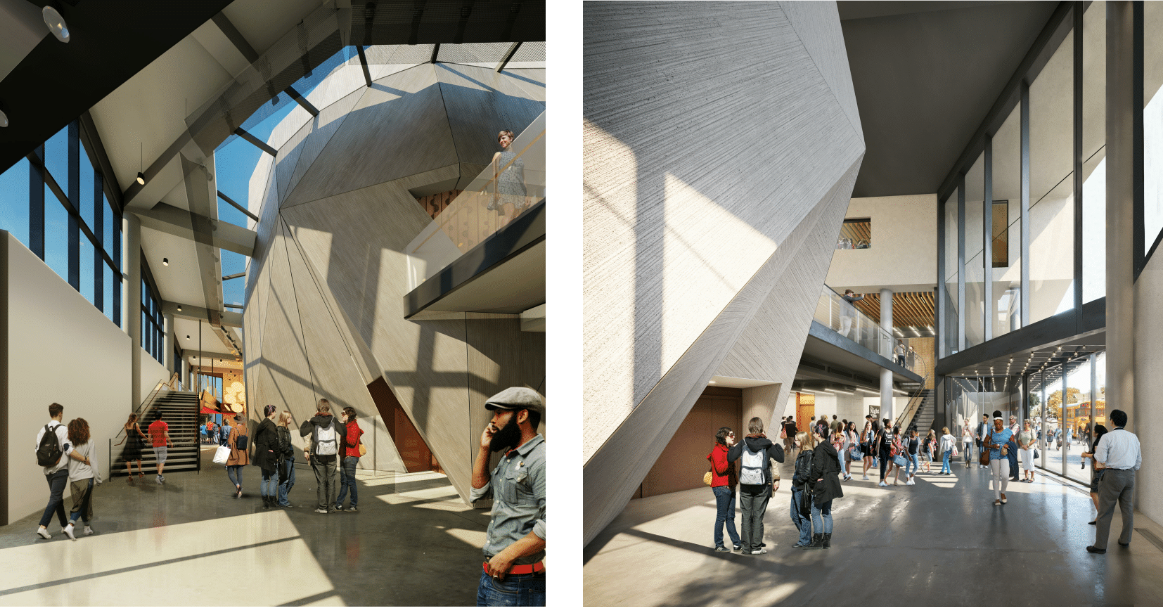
column 515, row 541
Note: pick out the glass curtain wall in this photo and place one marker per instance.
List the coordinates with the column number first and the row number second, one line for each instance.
column 951, row 271
column 975, row 253
column 970, row 397
column 1074, row 395
column 1005, row 310
column 1052, row 186
column 1094, row 152
column 1152, row 123
column 83, row 246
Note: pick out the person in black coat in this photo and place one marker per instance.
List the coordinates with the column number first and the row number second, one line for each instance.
column 825, row 487
column 266, row 444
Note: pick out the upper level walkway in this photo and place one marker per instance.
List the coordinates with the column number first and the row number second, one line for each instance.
column 940, row 542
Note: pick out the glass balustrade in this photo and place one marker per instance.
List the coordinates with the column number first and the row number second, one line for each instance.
column 835, row 312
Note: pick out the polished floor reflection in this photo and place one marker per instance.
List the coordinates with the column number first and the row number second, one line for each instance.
column 940, row 542
column 189, row 542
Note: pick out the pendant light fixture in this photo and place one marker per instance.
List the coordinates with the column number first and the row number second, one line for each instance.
column 140, row 175
column 55, row 22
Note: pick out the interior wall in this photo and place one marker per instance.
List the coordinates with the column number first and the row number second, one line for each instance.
column 52, row 330
column 682, row 464
column 1146, row 418
column 151, row 373
column 901, row 226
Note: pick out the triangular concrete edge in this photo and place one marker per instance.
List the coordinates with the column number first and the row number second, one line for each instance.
column 817, row 25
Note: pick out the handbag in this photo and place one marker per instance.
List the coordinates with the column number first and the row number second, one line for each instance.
column 899, row 460
column 955, row 450
column 783, row 432
column 1035, row 453
column 222, row 454
column 362, row 449
column 985, row 448
column 707, row 478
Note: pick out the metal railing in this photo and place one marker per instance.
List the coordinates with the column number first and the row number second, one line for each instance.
column 835, row 312
column 916, row 400
column 141, row 410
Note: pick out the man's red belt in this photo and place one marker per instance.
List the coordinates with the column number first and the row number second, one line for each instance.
column 537, row 567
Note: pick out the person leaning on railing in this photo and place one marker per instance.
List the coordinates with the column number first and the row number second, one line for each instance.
column 847, row 313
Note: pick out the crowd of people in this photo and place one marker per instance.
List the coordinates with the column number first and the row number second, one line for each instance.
column 829, row 451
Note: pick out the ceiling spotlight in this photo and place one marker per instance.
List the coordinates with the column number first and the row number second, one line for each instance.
column 56, row 23
column 187, row 337
column 179, row 308
column 3, row 119
column 140, row 178
column 140, row 175
column 165, row 261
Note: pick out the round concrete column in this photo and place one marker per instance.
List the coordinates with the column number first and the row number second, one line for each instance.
column 133, row 301
column 886, row 351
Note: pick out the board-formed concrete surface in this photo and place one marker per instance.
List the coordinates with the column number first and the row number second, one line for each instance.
column 324, row 296
column 721, row 144
column 941, row 542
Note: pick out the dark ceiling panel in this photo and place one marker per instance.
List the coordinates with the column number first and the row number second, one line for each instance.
column 926, row 79
column 110, row 41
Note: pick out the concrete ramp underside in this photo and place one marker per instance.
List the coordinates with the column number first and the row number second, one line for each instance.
column 324, row 294
column 720, row 148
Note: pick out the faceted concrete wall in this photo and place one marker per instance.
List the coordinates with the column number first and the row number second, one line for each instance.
column 721, row 145
column 324, row 298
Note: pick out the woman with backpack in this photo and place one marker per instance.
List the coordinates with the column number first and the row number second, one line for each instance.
column 723, row 483
column 824, row 484
column 350, row 461
column 266, row 457
column 800, row 495
column 238, row 441
column 927, row 446
column 286, row 458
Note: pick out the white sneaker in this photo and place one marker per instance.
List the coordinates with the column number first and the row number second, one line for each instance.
column 88, row 530
column 882, row 484
column 760, row 551
column 42, row 532
column 69, row 532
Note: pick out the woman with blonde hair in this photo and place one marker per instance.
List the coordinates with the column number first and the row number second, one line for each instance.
column 948, row 443
column 286, row 459
column 801, row 508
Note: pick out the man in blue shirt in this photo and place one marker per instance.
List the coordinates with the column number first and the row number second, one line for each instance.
column 1119, row 451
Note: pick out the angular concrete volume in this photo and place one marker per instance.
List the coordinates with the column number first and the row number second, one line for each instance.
column 721, row 145
column 324, row 296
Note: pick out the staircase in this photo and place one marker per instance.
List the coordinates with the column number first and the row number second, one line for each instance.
column 181, row 411
column 926, row 412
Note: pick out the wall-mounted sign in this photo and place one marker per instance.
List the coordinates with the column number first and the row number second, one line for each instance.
column 874, row 411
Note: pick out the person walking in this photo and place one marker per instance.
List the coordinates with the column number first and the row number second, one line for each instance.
column 325, row 434
column 1013, row 450
column 928, row 447
column 884, row 448
column 82, row 477
column 134, row 441
column 756, row 482
column 225, row 431
column 159, row 434
column 789, row 432
column 286, row 459
column 967, row 444
column 723, row 483
column 866, row 437
column 850, row 443
column 1119, row 452
column 54, row 450
column 514, row 570
column 983, row 429
column 911, row 464
column 948, row 443
column 238, row 440
column 997, row 442
column 1096, row 468
column 350, row 460
column 266, row 457
column 800, row 491
column 824, row 482
column 1026, row 449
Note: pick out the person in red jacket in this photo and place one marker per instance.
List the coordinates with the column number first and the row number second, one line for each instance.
column 350, row 454
column 723, row 482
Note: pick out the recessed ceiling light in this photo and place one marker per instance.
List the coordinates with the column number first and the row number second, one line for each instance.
column 179, row 308
column 187, row 337
column 56, row 23
column 165, row 261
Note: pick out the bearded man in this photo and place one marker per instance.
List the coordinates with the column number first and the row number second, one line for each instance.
column 515, row 541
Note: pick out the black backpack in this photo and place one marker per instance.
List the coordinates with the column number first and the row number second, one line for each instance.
column 803, row 466
column 48, row 454
column 284, row 442
column 240, row 443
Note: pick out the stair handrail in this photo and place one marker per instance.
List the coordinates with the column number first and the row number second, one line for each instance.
column 917, row 399
column 140, row 411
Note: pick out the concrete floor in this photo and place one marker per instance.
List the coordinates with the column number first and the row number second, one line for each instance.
column 413, row 542
column 940, row 542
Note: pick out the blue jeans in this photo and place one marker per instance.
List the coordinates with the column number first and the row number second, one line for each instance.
column 1013, row 457
column 945, row 461
column 347, row 479
column 526, row 589
column 725, row 513
column 824, row 509
column 286, row 481
column 840, row 456
column 968, row 452
column 910, row 464
column 270, row 483
column 802, row 523
column 234, row 473
column 56, row 497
